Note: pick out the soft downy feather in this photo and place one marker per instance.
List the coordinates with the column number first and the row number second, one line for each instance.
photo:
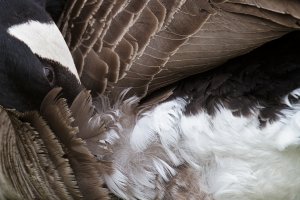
column 234, row 130
column 143, row 165
column 164, row 154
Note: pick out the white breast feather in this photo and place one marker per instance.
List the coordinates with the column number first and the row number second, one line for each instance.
column 235, row 158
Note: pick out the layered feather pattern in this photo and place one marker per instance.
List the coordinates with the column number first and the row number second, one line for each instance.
column 148, row 44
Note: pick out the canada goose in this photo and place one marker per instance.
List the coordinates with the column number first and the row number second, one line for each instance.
column 34, row 56
column 34, row 61
column 113, row 53
column 159, row 150
column 145, row 45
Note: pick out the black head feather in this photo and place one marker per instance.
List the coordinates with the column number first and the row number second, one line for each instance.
column 25, row 77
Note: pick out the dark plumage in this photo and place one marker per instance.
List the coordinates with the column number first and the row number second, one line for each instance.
column 55, row 8
column 146, row 45
column 262, row 77
column 25, row 76
column 223, row 134
column 183, row 143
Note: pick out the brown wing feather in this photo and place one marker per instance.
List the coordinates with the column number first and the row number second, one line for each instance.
column 33, row 164
column 147, row 44
column 83, row 163
column 56, row 153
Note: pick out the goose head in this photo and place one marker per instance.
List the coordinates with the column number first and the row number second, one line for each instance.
column 34, row 56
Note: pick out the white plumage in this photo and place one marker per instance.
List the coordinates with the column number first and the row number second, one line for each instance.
column 229, row 157
column 210, row 137
column 52, row 47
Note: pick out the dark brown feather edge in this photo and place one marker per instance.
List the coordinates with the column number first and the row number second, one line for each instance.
column 83, row 163
column 55, row 152
column 7, row 191
column 90, row 130
column 25, row 161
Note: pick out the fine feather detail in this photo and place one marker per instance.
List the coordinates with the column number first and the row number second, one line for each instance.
column 148, row 44
column 33, row 164
column 83, row 163
column 55, row 152
column 227, row 156
column 143, row 164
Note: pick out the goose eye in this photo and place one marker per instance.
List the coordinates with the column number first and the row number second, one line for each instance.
column 49, row 73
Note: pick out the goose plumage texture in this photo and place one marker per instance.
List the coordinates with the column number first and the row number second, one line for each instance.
column 126, row 50
column 43, row 157
column 229, row 133
column 152, row 43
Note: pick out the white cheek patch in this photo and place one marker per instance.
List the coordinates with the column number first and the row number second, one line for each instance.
column 45, row 40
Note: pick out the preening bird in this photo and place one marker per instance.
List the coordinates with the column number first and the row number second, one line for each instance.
column 160, row 122
column 34, row 56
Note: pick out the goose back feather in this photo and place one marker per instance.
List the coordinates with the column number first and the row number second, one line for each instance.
column 144, row 150
column 152, row 43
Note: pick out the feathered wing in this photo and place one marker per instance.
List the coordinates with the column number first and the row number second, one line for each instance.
column 147, row 44
column 67, row 129
column 32, row 160
column 47, row 154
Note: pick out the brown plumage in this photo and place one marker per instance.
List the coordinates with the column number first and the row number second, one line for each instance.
column 152, row 43
column 43, row 156
column 119, row 44
column 33, row 162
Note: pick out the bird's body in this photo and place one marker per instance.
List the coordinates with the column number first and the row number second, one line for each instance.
column 230, row 133
column 169, row 154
